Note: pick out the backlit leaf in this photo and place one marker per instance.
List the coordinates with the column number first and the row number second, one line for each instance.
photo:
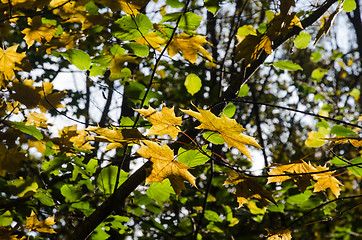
column 287, row 65
column 160, row 191
column 193, row 83
column 228, row 129
column 78, row 58
column 281, row 234
column 164, row 122
column 132, row 28
column 33, row 224
column 165, row 166
column 191, row 158
column 9, row 59
column 31, row 130
column 349, row 5
column 302, row 40
column 315, row 139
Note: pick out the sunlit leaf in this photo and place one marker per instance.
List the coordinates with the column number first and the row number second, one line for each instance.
column 193, row 83
column 78, row 58
column 287, row 65
column 33, row 224
column 302, row 40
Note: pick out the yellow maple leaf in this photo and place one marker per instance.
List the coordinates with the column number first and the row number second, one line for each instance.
column 189, row 47
column 246, row 188
column 164, row 122
column 38, row 119
column 281, row 234
column 323, row 180
column 117, row 137
column 326, row 180
column 153, row 40
column 356, row 142
column 33, row 224
column 128, row 6
column 165, row 166
column 9, row 59
column 38, row 31
column 229, row 129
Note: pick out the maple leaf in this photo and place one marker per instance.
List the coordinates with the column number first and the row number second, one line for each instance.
column 323, row 180
column 246, row 188
column 10, row 159
column 164, row 122
column 326, row 180
column 229, row 129
column 165, row 166
column 281, row 234
column 38, row 119
column 356, row 142
column 189, row 47
column 38, row 31
column 9, row 58
column 153, row 40
column 130, row 7
column 42, row 97
column 117, row 137
column 33, row 224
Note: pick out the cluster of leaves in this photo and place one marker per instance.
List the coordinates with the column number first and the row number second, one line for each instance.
column 76, row 178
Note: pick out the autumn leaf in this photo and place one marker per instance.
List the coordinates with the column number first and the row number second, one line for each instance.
column 38, row 31
column 165, row 166
column 323, row 180
column 355, row 141
column 42, row 97
column 281, row 234
column 153, row 40
column 116, row 137
column 10, row 159
column 9, row 59
column 189, row 47
column 164, row 122
column 128, row 6
column 246, row 188
column 326, row 180
column 33, row 224
column 229, row 129
column 251, row 47
column 38, row 119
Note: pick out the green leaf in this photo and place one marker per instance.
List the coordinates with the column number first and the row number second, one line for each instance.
column 212, row 216
column 189, row 21
column 117, row 49
column 299, row 198
column 229, row 110
column 175, row 3
column 338, row 162
column 191, row 158
column 71, row 193
column 355, row 93
column 193, row 83
column 212, row 6
column 287, row 65
column 342, row 131
column 6, row 219
column 160, row 192
column 132, row 28
column 138, row 49
column 31, row 130
column 316, row 56
column 318, row 74
column 244, row 91
column 213, row 137
column 276, row 208
column 322, row 123
column 356, row 170
column 107, row 179
column 78, row 58
column 302, row 40
column 349, row 5
column 246, row 30
column 44, row 197
column 92, row 8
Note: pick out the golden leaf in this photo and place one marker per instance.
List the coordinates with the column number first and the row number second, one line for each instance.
column 246, row 188
column 153, row 40
column 165, row 166
column 130, row 7
column 38, row 31
column 356, row 142
column 189, row 47
column 33, row 224
column 117, row 137
column 315, row 139
column 281, row 234
column 9, row 58
column 164, row 122
column 38, row 119
column 325, row 181
column 229, row 129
